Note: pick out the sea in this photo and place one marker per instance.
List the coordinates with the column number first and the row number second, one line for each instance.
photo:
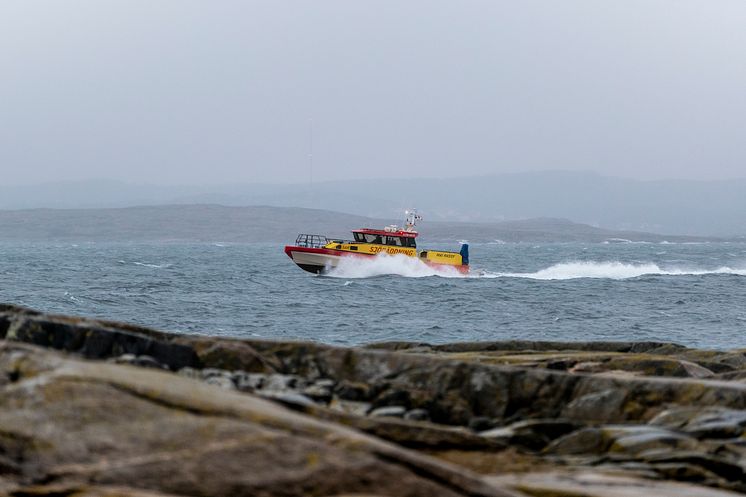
column 693, row 294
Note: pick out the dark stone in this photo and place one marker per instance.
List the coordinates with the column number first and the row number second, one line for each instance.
column 355, row 391
column 417, row 415
column 393, row 397
column 481, row 423
column 318, row 393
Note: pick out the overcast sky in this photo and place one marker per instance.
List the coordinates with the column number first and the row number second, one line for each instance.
column 188, row 92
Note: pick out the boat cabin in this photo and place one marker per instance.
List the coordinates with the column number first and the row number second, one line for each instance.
column 395, row 238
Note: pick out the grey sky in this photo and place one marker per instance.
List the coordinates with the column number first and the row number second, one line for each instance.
column 188, row 92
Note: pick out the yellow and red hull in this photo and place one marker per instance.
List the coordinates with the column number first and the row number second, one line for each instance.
column 321, row 260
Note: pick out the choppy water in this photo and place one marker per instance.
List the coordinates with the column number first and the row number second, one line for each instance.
column 693, row 294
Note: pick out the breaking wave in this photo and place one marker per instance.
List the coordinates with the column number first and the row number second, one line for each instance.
column 612, row 270
column 384, row 264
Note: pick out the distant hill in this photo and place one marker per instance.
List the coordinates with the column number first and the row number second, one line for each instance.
column 711, row 208
column 215, row 223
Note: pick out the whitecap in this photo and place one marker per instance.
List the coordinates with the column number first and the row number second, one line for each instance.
column 155, row 266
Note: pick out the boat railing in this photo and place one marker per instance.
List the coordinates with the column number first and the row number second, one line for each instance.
column 311, row 241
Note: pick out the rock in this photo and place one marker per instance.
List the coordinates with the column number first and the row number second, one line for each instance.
column 730, row 471
column 210, row 373
column 708, row 423
column 533, row 434
column 350, row 407
column 76, row 424
column 325, row 383
column 289, row 399
column 249, row 382
column 620, row 439
column 318, row 393
column 635, row 409
column 639, row 440
column 225, row 382
column 605, row 406
column 72, row 490
column 282, row 382
column 587, row 367
column 481, row 423
column 389, row 411
column 505, row 434
column 192, row 373
column 417, row 415
column 586, row 441
column 676, row 417
column 148, row 362
column 656, row 366
column 349, row 390
column 96, row 339
column 142, row 361
column 549, row 428
column 394, row 396
column 599, row 484
column 421, row 435
column 715, row 429
column 231, row 355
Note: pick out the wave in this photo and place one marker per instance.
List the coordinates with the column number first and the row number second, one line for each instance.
column 388, row 265
column 410, row 267
column 616, row 240
column 155, row 266
column 612, row 270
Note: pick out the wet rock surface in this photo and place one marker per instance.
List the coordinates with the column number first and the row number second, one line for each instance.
column 95, row 406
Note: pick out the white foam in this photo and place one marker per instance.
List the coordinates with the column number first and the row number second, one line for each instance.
column 410, row 267
column 155, row 266
column 613, row 270
column 384, row 264
column 617, row 240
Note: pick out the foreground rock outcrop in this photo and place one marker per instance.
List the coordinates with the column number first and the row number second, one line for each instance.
column 91, row 407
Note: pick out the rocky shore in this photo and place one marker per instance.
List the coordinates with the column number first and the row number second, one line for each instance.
column 92, row 407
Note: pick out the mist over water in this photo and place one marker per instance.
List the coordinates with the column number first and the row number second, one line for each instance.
column 691, row 294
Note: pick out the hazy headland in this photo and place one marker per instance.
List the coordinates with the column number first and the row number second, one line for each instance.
column 211, row 223
column 670, row 207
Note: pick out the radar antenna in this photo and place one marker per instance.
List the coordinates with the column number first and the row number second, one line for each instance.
column 411, row 219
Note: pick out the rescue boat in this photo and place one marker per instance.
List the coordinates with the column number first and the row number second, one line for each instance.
column 319, row 254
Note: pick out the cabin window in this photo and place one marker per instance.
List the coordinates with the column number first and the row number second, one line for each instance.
column 369, row 238
column 359, row 237
column 394, row 240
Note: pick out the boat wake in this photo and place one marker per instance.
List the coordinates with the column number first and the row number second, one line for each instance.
column 389, row 265
column 611, row 270
column 409, row 267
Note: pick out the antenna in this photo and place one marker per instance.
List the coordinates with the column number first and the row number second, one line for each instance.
column 411, row 219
